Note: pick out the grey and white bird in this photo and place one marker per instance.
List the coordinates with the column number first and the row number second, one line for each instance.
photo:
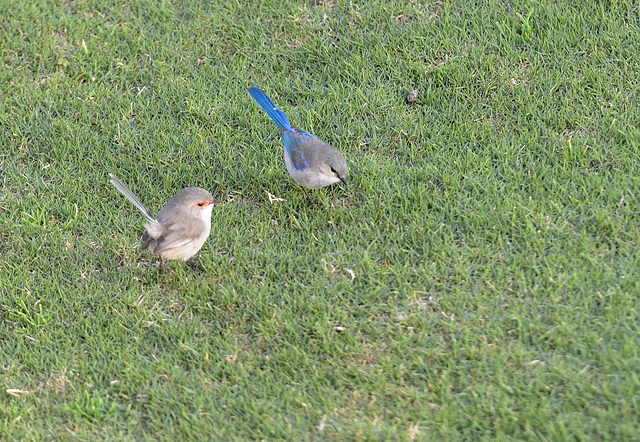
column 181, row 227
column 310, row 162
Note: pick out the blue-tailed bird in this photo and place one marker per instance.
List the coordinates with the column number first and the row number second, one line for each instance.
column 310, row 162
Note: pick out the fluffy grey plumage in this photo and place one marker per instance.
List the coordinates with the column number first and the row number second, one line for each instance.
column 182, row 226
column 310, row 162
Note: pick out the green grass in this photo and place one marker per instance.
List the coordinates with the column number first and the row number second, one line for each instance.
column 478, row 279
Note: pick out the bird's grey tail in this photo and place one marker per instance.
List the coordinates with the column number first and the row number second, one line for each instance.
column 274, row 113
column 123, row 189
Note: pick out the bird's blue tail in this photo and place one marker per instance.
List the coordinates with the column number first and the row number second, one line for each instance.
column 274, row 113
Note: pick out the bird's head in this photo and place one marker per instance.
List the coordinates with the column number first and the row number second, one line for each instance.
column 198, row 200
column 336, row 166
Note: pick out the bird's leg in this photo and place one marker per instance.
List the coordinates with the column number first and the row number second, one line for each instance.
column 160, row 258
column 194, row 262
column 308, row 197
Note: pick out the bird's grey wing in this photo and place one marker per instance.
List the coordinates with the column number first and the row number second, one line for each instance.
column 301, row 149
column 145, row 240
column 152, row 230
column 297, row 155
column 179, row 234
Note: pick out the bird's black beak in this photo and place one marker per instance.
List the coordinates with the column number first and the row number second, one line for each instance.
column 344, row 181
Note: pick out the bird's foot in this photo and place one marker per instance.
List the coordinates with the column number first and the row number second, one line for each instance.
column 311, row 200
column 194, row 262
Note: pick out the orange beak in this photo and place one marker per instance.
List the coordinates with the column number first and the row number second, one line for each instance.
column 206, row 203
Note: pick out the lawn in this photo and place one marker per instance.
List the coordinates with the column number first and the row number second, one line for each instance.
column 477, row 278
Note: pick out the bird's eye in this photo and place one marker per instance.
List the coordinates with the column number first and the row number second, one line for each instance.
column 334, row 171
column 200, row 204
